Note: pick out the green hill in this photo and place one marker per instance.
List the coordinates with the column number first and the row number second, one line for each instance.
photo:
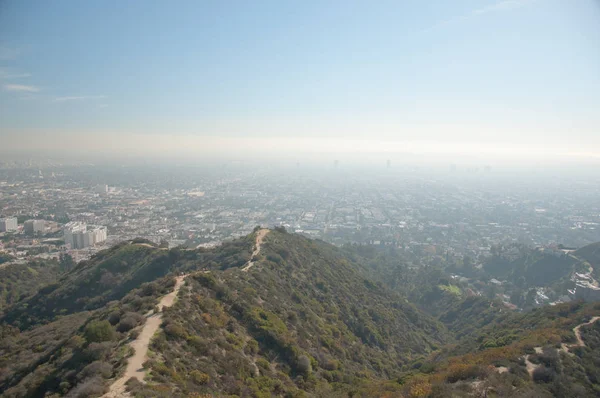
column 18, row 281
column 299, row 318
column 591, row 255
column 113, row 273
column 302, row 320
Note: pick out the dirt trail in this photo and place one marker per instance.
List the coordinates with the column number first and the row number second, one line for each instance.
column 140, row 345
column 150, row 246
column 577, row 331
column 260, row 237
column 531, row 367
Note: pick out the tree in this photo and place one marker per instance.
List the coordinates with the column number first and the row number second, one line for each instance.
column 66, row 261
column 99, row 331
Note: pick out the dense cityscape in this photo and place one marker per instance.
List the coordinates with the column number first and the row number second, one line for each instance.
column 452, row 215
column 465, row 213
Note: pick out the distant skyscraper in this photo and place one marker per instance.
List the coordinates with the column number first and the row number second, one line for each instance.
column 34, row 226
column 389, row 162
column 78, row 236
column 8, row 224
column 102, row 189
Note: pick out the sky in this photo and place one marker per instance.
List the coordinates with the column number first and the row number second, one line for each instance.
column 506, row 79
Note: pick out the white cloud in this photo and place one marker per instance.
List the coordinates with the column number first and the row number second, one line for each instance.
column 8, row 74
column 21, row 88
column 78, row 98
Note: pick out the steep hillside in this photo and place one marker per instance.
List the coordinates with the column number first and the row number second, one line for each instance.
column 113, row 273
column 108, row 276
column 591, row 254
column 18, row 281
column 276, row 314
column 531, row 267
column 290, row 315
column 302, row 319
column 537, row 354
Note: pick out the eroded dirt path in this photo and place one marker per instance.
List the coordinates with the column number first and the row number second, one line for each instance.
column 577, row 331
column 531, row 367
column 140, row 345
column 260, row 237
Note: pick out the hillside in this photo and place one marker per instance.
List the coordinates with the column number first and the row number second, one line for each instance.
column 301, row 319
column 294, row 316
column 536, row 354
column 113, row 273
column 591, row 255
column 531, row 267
column 276, row 314
column 18, row 281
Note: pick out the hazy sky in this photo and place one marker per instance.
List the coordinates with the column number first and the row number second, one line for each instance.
column 479, row 76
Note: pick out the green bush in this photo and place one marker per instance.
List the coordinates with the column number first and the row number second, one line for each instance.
column 199, row 377
column 99, row 331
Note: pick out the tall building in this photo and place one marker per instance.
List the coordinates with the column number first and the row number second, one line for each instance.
column 79, row 236
column 8, row 224
column 34, row 226
column 73, row 233
column 101, row 189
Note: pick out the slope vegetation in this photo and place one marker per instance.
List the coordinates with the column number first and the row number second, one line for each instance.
column 302, row 320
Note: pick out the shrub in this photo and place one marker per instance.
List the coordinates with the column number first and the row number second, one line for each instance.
column 304, row 365
column 134, row 334
column 462, row 371
column 76, row 342
column 99, row 331
column 96, row 368
column 88, row 388
column 420, row 390
column 543, row 374
column 199, row 377
column 200, row 344
column 114, row 317
column 330, row 364
column 263, row 363
column 99, row 351
column 176, row 331
column 129, row 321
column 251, row 347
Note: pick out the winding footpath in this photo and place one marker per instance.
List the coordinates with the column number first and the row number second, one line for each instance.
column 577, row 331
column 531, row 367
column 141, row 343
column 260, row 237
